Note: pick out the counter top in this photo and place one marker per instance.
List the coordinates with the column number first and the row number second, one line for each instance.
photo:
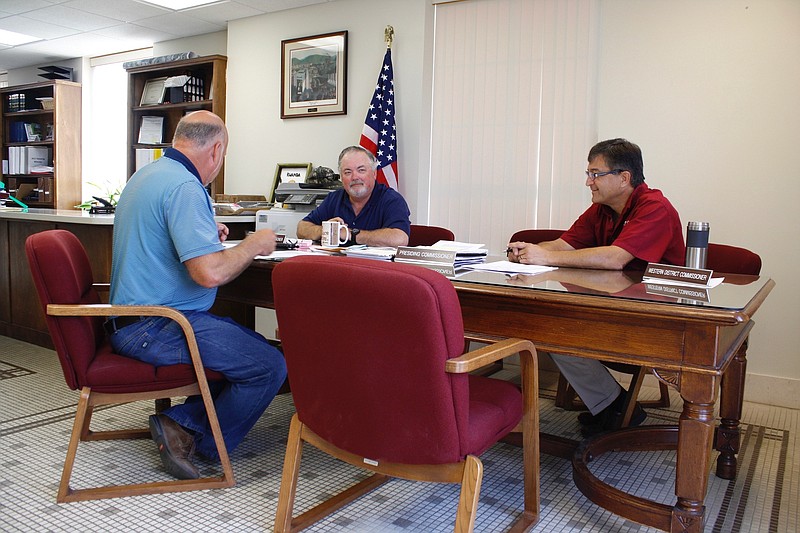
column 77, row 216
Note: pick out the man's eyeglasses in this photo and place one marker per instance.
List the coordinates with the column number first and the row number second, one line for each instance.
column 594, row 175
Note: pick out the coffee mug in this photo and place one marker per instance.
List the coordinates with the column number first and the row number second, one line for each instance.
column 331, row 233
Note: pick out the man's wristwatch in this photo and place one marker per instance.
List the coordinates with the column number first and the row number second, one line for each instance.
column 353, row 233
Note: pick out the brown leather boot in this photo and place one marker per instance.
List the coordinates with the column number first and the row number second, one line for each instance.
column 175, row 445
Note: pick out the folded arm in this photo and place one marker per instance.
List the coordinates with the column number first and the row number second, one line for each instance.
column 560, row 253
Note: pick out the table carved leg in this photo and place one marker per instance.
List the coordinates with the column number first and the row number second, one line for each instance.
column 727, row 441
column 696, row 432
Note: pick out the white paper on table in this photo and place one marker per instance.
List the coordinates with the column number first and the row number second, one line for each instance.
column 511, row 268
column 458, row 247
column 713, row 282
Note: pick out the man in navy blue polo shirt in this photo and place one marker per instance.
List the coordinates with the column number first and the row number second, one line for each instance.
column 375, row 214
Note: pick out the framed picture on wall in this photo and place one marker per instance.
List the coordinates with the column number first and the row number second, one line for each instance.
column 314, row 76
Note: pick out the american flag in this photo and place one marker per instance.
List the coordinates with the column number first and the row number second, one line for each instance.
column 379, row 135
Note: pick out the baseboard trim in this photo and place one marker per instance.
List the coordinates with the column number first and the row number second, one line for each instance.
column 772, row 390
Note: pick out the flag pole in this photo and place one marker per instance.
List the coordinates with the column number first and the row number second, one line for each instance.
column 388, row 35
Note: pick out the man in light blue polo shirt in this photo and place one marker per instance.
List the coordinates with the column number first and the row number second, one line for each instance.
column 168, row 251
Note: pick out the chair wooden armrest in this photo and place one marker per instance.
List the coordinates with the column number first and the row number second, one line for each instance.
column 148, row 310
column 138, row 310
column 128, row 310
column 487, row 355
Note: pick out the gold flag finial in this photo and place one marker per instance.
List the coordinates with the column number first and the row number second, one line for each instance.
column 388, row 35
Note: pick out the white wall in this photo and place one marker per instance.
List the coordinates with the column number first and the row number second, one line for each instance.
column 710, row 90
column 260, row 139
column 707, row 88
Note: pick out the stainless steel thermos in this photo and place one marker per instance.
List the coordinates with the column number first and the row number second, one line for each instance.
column 696, row 244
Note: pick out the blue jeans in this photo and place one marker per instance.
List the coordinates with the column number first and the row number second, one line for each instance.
column 253, row 369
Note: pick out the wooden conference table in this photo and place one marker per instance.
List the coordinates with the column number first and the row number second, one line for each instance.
column 695, row 340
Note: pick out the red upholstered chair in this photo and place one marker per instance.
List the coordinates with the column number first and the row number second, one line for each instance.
column 535, row 236
column 74, row 314
column 726, row 259
column 428, row 235
column 379, row 381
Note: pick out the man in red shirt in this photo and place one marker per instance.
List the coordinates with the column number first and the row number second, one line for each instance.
column 627, row 226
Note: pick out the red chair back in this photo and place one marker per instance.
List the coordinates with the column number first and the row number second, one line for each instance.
column 62, row 275
column 535, row 236
column 365, row 345
column 428, row 235
column 724, row 258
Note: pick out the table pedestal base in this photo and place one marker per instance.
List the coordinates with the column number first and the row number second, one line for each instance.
column 658, row 515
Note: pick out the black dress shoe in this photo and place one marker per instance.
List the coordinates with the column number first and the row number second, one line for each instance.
column 175, row 445
column 609, row 419
column 588, row 419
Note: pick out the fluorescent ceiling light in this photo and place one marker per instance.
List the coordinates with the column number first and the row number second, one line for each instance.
column 177, row 5
column 12, row 38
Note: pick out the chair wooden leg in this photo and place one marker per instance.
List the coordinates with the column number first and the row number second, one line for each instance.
column 633, row 393
column 566, row 397
column 80, row 431
column 470, row 492
column 530, row 443
column 664, row 389
column 291, row 468
column 79, row 427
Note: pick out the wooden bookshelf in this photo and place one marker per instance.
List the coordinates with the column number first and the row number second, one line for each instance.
column 209, row 69
column 54, row 108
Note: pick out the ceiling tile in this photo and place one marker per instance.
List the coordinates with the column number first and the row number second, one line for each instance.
column 223, row 12
column 134, row 32
column 116, row 25
column 179, row 24
column 36, row 28
column 125, row 10
column 72, row 18
column 22, row 6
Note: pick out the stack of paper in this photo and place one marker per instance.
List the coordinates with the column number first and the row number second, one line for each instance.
column 385, row 253
column 466, row 253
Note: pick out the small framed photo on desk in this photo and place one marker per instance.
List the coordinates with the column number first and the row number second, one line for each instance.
column 290, row 173
column 153, row 92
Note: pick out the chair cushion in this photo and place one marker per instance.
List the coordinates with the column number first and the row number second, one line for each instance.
column 495, row 408
column 114, row 374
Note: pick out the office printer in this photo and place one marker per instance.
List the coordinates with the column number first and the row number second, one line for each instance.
column 293, row 201
column 301, row 196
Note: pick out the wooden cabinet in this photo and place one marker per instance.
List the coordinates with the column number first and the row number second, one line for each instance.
column 21, row 314
column 205, row 91
column 44, row 172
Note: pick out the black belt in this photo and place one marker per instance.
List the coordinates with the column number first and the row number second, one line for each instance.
column 112, row 325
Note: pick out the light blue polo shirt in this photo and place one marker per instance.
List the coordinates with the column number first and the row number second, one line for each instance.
column 164, row 217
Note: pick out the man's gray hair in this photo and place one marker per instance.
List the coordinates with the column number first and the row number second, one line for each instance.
column 199, row 133
column 350, row 149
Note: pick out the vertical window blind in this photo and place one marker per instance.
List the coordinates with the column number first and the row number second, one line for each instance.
column 513, row 115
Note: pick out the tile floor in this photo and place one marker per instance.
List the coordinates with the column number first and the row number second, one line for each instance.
column 36, row 418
